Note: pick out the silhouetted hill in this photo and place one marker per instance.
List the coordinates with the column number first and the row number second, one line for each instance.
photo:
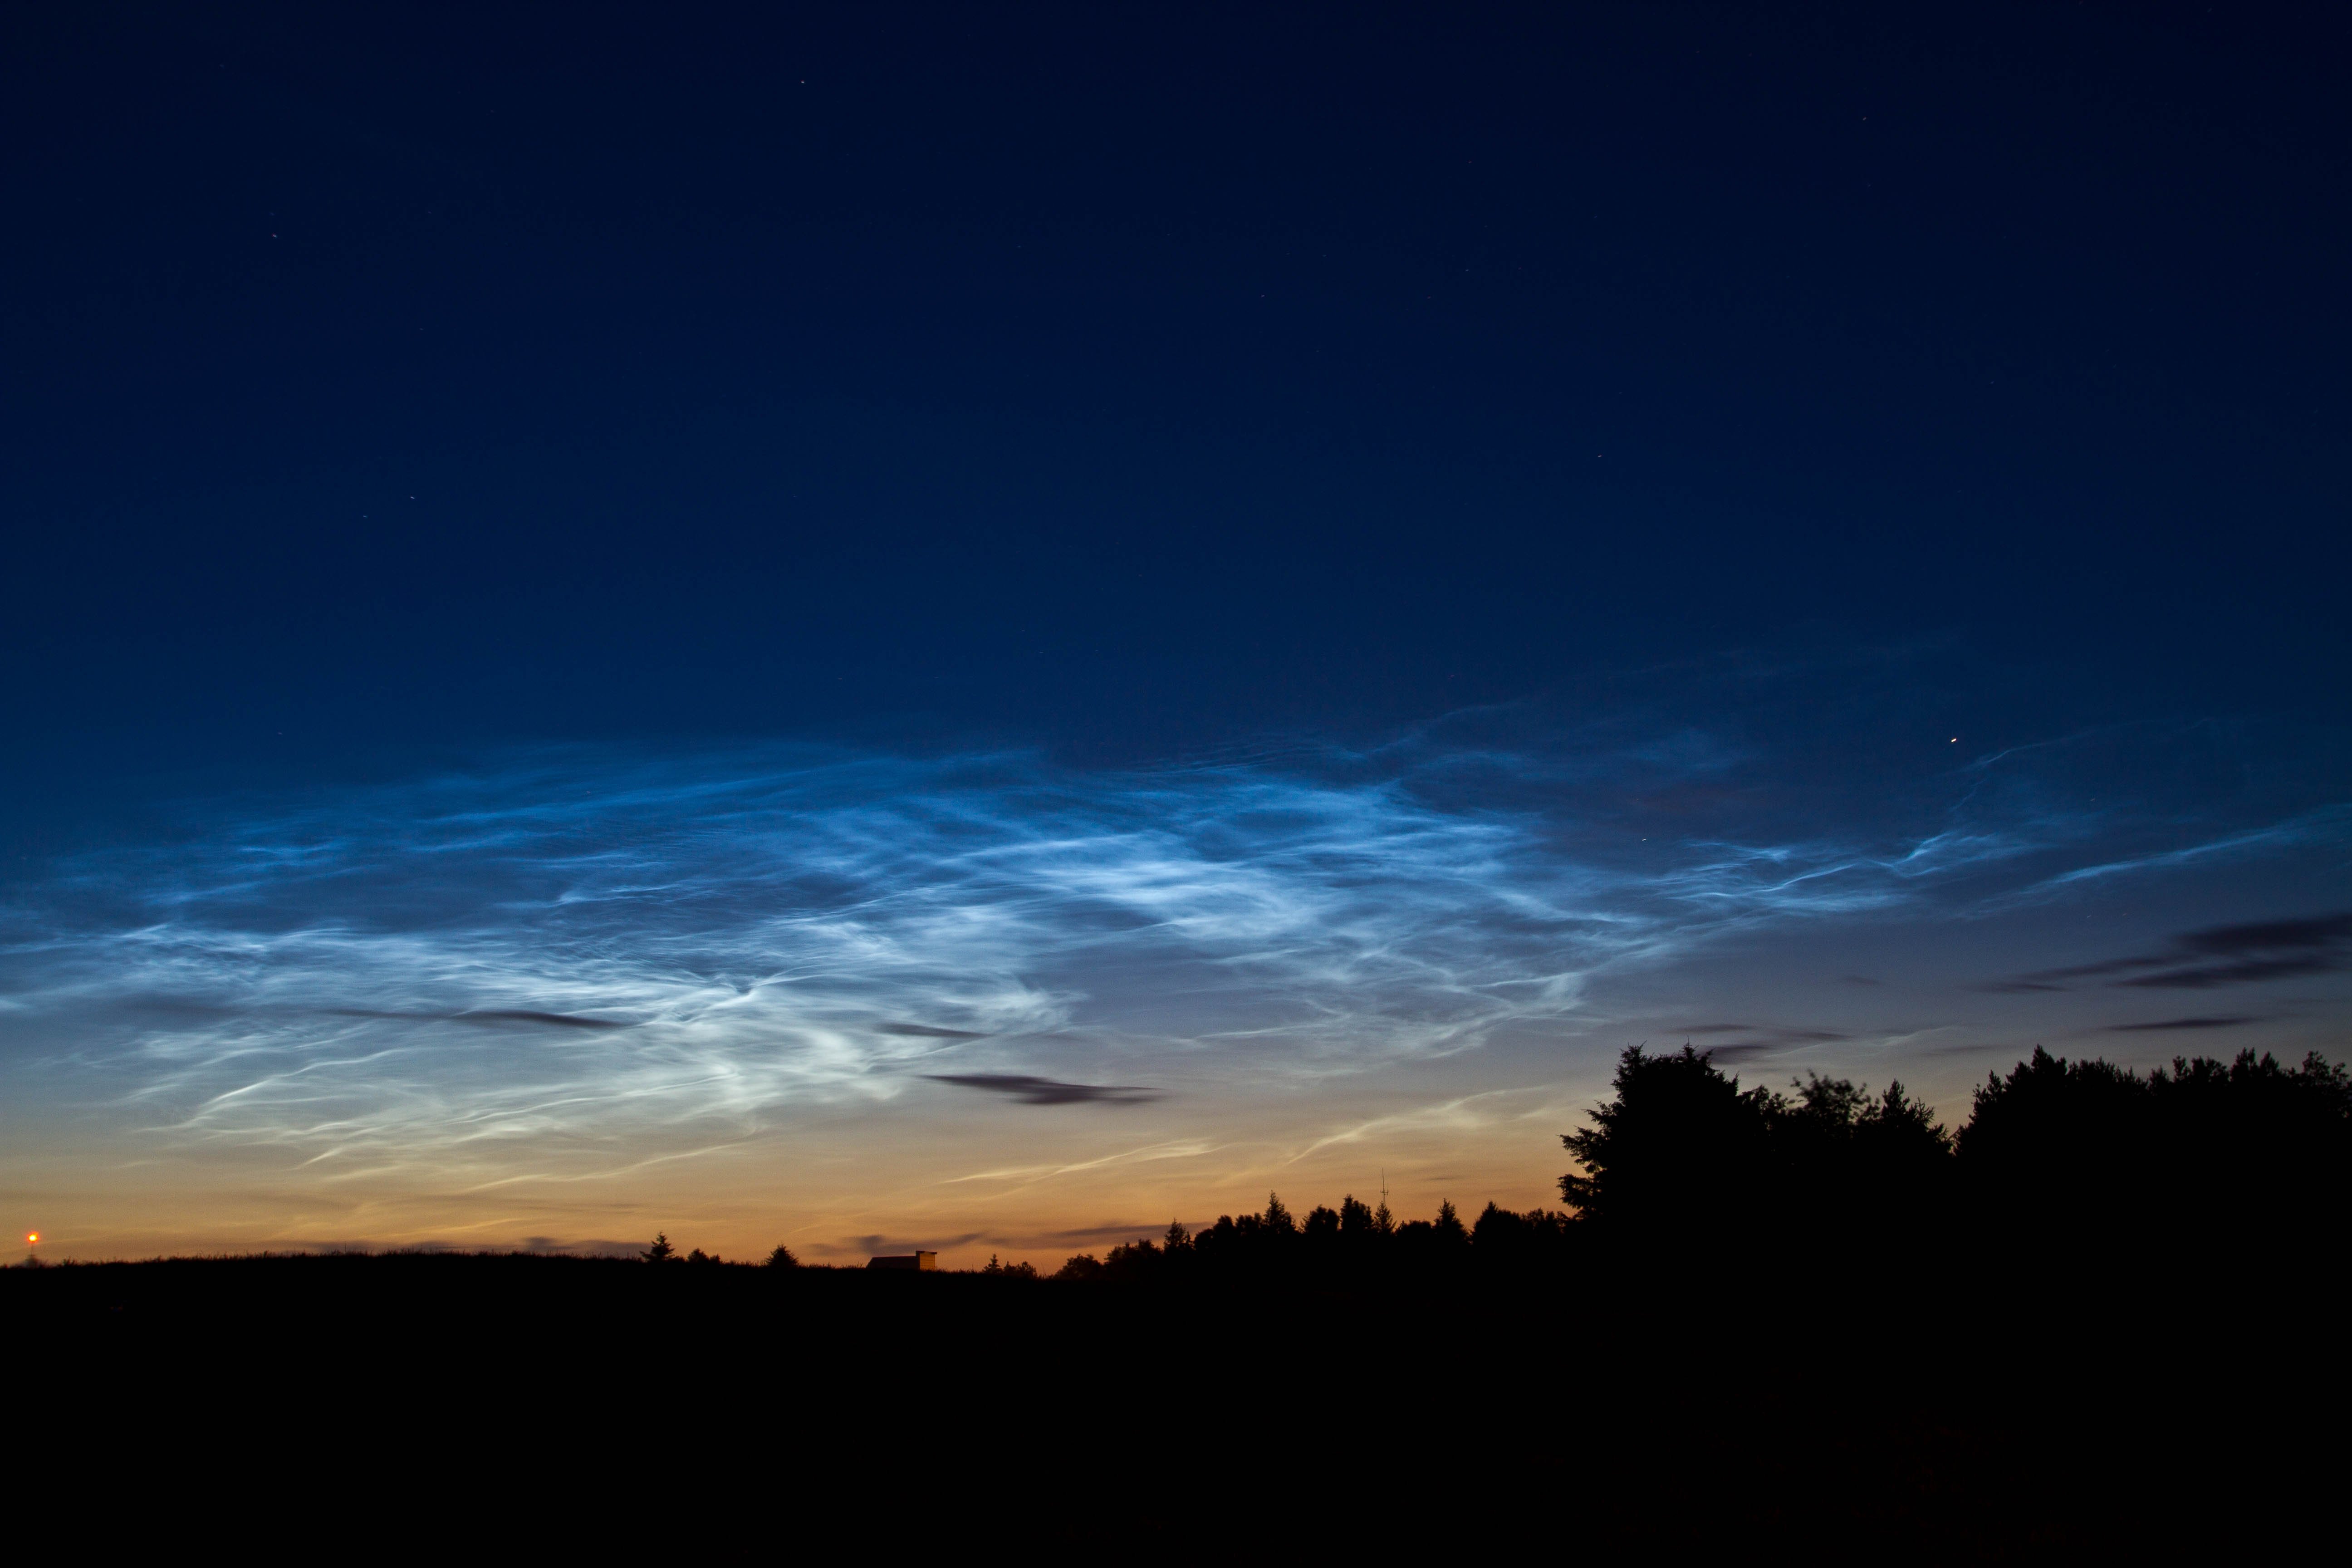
column 2098, row 1319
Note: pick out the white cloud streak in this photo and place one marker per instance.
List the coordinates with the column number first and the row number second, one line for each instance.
column 403, row 978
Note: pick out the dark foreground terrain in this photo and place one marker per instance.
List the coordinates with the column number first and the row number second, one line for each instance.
column 2103, row 1318
column 1618, row 1401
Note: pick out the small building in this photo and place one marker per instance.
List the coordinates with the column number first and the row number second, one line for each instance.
column 905, row 1261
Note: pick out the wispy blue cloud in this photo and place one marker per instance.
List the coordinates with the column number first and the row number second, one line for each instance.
column 654, row 958
column 2329, row 824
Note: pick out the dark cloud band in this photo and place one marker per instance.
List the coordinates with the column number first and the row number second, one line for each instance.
column 2215, row 956
column 1031, row 1091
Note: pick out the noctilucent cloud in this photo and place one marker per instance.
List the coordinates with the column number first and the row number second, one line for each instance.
column 983, row 633
column 979, row 1001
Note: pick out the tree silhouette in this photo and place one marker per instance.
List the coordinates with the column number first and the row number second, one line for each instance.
column 1843, row 1160
column 1682, row 1149
column 2092, row 1151
column 1501, row 1238
column 1133, row 1260
column 2059, row 1148
column 2254, row 1138
column 782, row 1258
column 1897, row 1133
column 661, row 1251
column 1679, row 1146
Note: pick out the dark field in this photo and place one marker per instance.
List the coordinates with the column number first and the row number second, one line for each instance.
column 1604, row 1399
column 2102, row 1317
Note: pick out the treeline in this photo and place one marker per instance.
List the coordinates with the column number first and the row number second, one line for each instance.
column 1353, row 1235
column 2082, row 1157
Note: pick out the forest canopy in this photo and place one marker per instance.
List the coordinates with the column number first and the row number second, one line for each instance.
column 2079, row 1153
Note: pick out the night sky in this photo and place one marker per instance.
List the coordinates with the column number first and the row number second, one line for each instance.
column 980, row 628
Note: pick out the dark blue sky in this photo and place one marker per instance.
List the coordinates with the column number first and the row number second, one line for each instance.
column 1825, row 431
column 1139, row 377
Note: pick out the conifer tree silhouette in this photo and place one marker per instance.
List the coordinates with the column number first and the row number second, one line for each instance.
column 1680, row 1146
